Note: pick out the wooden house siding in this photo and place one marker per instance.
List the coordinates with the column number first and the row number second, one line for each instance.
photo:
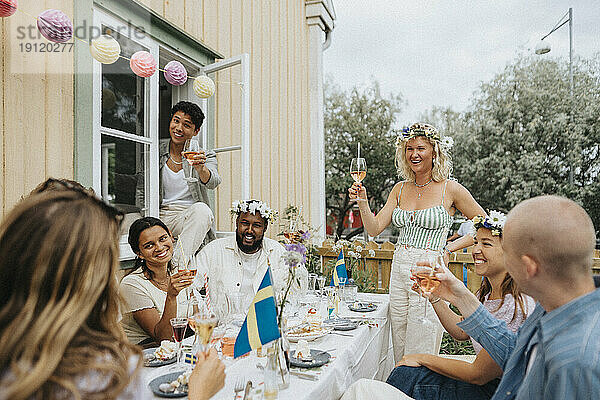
column 37, row 113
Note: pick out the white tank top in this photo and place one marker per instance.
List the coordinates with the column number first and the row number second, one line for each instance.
column 175, row 188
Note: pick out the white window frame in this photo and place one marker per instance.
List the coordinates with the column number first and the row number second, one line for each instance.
column 150, row 138
column 243, row 60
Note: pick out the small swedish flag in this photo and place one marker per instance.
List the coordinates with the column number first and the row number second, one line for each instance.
column 260, row 326
column 190, row 359
column 340, row 270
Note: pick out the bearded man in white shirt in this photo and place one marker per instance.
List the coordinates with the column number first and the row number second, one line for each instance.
column 235, row 265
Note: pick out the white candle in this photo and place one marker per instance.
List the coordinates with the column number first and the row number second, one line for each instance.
column 358, row 149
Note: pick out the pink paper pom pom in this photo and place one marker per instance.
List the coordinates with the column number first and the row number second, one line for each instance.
column 175, row 73
column 8, row 8
column 55, row 26
column 143, row 64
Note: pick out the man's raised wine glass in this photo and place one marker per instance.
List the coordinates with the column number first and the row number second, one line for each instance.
column 191, row 149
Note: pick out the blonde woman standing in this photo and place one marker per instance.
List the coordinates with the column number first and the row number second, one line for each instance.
column 421, row 206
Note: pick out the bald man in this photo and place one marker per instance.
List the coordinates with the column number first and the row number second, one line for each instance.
column 548, row 244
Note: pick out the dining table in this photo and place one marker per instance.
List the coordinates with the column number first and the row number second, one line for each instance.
column 364, row 352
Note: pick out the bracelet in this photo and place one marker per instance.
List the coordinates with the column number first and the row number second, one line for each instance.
column 435, row 301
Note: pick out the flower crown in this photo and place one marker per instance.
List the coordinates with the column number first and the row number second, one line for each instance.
column 426, row 130
column 494, row 222
column 253, row 206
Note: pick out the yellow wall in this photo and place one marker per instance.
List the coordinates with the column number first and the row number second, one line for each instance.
column 36, row 114
column 37, row 108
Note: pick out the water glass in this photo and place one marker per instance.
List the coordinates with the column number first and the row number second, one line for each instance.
column 350, row 293
column 312, row 282
column 320, row 285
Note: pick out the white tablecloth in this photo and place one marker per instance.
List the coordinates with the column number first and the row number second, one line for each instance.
column 366, row 354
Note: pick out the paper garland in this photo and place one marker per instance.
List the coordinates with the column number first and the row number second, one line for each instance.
column 8, row 8
column 204, row 87
column 143, row 64
column 175, row 73
column 105, row 49
column 56, row 26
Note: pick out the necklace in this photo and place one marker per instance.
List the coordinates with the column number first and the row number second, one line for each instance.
column 425, row 184
column 175, row 162
column 421, row 186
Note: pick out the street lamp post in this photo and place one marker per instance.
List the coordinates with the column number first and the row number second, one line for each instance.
column 544, row 47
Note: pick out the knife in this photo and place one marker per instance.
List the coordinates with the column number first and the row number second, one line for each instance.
column 302, row 375
column 247, row 390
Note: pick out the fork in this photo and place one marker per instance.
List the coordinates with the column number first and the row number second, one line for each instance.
column 240, row 384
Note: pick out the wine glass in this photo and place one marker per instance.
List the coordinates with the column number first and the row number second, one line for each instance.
column 179, row 326
column 424, row 272
column 358, row 169
column 342, row 287
column 190, row 150
column 205, row 323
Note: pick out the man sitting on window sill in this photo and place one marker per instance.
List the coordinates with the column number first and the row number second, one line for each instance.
column 183, row 204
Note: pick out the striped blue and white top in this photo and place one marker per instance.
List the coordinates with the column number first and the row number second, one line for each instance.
column 423, row 229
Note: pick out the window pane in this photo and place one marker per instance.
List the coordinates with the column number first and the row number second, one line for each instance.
column 123, row 163
column 123, row 92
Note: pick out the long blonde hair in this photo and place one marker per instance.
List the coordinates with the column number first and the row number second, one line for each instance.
column 59, row 299
column 442, row 162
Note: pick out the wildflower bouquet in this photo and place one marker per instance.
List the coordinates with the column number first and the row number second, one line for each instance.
column 355, row 256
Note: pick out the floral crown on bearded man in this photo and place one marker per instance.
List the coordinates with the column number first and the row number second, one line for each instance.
column 494, row 222
column 253, row 206
column 425, row 130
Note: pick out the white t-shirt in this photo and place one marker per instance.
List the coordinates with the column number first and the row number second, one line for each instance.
column 466, row 228
column 175, row 188
column 249, row 267
column 139, row 293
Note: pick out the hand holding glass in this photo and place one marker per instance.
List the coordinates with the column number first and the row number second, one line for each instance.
column 424, row 274
column 358, row 169
column 204, row 324
column 191, row 149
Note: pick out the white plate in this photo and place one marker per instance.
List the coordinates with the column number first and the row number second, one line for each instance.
column 294, row 337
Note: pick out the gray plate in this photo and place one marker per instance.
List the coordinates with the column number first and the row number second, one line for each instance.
column 318, row 358
column 364, row 307
column 168, row 378
column 157, row 362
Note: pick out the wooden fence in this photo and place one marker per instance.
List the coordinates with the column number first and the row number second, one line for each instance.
column 380, row 265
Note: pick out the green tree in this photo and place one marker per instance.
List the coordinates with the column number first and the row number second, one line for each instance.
column 359, row 116
column 523, row 136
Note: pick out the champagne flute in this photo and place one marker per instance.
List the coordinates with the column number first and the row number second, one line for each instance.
column 205, row 323
column 358, row 169
column 179, row 326
column 424, row 273
column 190, row 150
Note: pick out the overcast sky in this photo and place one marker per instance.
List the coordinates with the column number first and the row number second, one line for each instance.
column 436, row 52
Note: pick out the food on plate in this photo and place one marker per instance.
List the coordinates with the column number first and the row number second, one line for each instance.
column 179, row 384
column 303, row 351
column 358, row 304
column 313, row 317
column 166, row 351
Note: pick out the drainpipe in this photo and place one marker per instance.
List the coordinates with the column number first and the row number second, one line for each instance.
column 327, row 41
